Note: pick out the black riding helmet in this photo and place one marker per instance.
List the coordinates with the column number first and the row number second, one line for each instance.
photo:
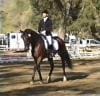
column 45, row 11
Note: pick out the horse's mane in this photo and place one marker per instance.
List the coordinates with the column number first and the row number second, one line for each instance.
column 33, row 33
column 30, row 31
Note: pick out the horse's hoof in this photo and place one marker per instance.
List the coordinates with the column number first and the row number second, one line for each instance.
column 64, row 79
column 41, row 82
column 31, row 82
column 48, row 79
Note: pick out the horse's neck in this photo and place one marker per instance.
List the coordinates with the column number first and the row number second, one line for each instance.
column 34, row 40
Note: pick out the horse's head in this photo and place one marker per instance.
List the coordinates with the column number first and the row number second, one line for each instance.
column 26, row 36
column 29, row 37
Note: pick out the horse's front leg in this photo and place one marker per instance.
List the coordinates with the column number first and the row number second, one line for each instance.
column 63, row 67
column 51, row 70
column 33, row 75
column 39, row 72
column 36, row 68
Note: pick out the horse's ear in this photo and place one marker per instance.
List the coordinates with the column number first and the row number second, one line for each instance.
column 21, row 31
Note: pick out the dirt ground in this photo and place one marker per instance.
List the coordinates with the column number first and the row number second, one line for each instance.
column 83, row 80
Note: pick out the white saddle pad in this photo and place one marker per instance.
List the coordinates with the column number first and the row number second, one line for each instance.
column 55, row 44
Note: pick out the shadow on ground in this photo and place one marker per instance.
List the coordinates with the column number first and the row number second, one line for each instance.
column 40, row 89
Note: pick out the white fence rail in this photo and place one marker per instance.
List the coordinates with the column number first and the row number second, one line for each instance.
column 76, row 52
column 84, row 52
column 3, row 47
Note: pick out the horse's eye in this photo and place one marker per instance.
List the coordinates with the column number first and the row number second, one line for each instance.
column 29, row 35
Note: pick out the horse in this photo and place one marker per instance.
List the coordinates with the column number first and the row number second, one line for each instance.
column 39, row 52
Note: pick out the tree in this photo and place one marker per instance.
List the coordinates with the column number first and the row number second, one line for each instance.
column 19, row 15
column 71, row 16
column 64, row 12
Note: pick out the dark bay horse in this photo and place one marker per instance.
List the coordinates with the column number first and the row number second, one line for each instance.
column 39, row 52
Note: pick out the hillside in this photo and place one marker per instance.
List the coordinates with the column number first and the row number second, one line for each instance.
column 80, row 17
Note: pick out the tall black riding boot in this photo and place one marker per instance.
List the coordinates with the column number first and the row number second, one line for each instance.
column 50, row 51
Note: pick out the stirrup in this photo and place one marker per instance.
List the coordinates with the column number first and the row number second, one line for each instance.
column 50, row 53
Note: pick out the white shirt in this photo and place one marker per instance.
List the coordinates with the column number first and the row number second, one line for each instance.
column 45, row 19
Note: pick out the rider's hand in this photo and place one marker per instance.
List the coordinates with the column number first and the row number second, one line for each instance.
column 43, row 32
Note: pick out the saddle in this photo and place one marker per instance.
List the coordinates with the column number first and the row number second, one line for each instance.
column 54, row 46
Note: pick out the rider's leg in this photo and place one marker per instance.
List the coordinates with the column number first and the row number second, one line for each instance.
column 49, row 38
column 50, row 42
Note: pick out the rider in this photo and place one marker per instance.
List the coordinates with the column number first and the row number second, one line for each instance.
column 45, row 28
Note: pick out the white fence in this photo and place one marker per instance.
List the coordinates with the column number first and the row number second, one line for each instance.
column 3, row 42
column 4, row 47
column 76, row 51
column 12, row 41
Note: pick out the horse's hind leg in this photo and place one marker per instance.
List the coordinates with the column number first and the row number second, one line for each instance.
column 51, row 70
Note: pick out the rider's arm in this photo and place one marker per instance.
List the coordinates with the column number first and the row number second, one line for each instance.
column 39, row 27
column 49, row 27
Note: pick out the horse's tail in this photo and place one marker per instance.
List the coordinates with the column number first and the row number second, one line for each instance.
column 68, row 60
column 65, row 53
